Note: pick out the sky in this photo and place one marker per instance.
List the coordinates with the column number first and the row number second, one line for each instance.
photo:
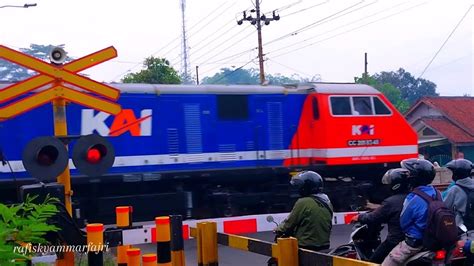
column 315, row 39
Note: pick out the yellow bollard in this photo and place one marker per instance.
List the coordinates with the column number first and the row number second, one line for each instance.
column 133, row 257
column 149, row 260
column 207, row 244
column 288, row 251
column 95, row 244
column 122, row 221
column 163, row 240
column 123, row 216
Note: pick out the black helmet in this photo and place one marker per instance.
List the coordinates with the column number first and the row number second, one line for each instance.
column 461, row 168
column 307, row 182
column 422, row 172
column 397, row 179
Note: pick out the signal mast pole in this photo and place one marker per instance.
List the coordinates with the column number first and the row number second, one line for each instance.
column 257, row 21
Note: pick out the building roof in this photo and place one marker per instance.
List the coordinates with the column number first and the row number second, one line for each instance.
column 456, row 122
column 447, row 129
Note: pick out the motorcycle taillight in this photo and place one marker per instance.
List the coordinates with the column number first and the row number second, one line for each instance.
column 440, row 255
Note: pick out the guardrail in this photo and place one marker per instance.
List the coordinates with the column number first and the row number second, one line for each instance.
column 285, row 251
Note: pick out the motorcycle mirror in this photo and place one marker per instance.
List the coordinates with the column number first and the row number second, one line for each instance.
column 463, row 228
column 270, row 219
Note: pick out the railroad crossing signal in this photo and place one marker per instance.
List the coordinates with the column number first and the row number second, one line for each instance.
column 46, row 157
column 93, row 155
column 62, row 80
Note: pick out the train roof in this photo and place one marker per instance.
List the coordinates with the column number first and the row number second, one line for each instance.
column 328, row 88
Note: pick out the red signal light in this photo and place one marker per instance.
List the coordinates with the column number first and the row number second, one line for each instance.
column 95, row 153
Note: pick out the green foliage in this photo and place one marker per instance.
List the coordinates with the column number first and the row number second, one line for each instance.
column 157, row 71
column 12, row 72
column 411, row 88
column 249, row 76
column 24, row 223
column 233, row 76
column 400, row 87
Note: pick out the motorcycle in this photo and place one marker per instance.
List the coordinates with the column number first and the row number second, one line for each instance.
column 364, row 240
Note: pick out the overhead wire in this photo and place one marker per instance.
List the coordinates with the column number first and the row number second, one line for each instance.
column 350, row 30
column 232, row 72
column 307, row 8
column 328, row 18
column 446, row 40
column 334, row 29
column 314, row 24
column 230, row 46
column 198, row 30
column 291, row 68
column 172, row 41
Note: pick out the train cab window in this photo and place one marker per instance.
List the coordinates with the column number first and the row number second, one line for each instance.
column 232, row 107
column 315, row 109
column 341, row 105
column 380, row 107
column 362, row 105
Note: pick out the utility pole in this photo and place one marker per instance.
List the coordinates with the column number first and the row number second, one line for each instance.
column 365, row 66
column 257, row 21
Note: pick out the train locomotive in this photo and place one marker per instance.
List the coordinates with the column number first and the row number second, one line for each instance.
column 221, row 150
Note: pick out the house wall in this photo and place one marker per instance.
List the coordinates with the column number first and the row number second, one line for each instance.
column 422, row 110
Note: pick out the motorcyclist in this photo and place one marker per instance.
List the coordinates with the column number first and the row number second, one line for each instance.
column 310, row 220
column 413, row 218
column 456, row 197
column 388, row 212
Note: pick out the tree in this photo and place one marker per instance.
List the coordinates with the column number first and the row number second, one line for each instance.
column 233, row 76
column 157, row 71
column 11, row 72
column 411, row 88
column 392, row 93
column 249, row 76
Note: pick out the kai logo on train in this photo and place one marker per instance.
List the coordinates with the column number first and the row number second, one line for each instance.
column 358, row 130
column 127, row 121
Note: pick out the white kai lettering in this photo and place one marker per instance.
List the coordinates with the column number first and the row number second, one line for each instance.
column 125, row 121
column 358, row 130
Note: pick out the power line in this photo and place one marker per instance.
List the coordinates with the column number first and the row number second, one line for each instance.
column 296, row 70
column 230, row 73
column 314, row 24
column 445, row 41
column 307, row 8
column 350, row 30
column 334, row 29
column 237, row 42
column 172, row 41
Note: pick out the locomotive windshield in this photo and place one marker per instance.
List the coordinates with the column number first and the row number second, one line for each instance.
column 358, row 105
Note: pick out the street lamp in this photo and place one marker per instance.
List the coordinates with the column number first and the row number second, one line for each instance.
column 23, row 6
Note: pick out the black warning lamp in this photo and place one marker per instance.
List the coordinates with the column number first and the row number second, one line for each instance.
column 45, row 158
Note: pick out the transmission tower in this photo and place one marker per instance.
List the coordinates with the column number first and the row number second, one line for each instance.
column 185, row 71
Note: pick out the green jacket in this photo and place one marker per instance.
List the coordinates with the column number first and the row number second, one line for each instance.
column 309, row 222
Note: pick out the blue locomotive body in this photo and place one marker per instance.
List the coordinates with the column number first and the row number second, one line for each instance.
column 213, row 150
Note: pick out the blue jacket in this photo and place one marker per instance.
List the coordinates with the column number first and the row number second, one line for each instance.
column 414, row 213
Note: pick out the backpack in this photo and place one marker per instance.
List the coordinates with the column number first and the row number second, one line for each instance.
column 441, row 230
column 468, row 217
column 325, row 205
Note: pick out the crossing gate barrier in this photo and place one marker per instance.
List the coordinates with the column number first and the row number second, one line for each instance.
column 286, row 250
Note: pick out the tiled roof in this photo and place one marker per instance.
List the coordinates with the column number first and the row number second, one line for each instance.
column 457, row 120
column 449, row 130
column 460, row 110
